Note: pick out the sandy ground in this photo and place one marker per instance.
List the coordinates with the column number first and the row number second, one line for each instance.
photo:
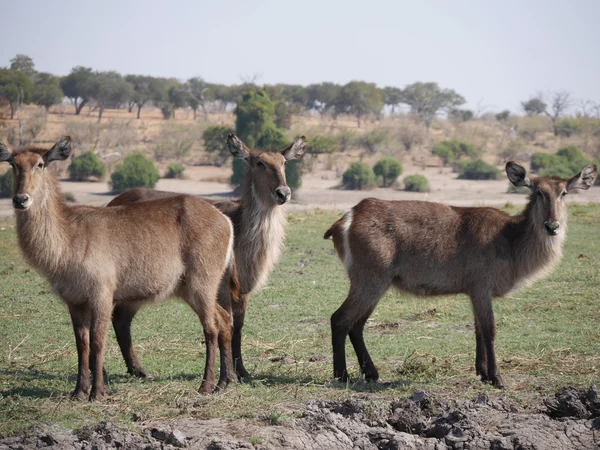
column 321, row 189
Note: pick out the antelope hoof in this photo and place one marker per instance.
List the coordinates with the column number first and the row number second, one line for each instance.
column 207, row 388
column 140, row 372
column 242, row 374
column 343, row 377
column 371, row 375
column 497, row 382
column 96, row 395
column 79, row 395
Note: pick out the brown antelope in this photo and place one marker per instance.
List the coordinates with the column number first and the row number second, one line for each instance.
column 97, row 257
column 259, row 225
column 432, row 249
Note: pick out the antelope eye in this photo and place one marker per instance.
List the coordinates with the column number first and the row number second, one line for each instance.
column 564, row 193
column 40, row 165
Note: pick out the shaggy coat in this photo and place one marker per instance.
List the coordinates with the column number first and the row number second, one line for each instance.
column 96, row 258
column 427, row 248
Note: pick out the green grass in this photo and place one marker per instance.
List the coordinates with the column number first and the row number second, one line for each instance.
column 548, row 337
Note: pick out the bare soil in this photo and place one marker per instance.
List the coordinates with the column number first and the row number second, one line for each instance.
column 568, row 420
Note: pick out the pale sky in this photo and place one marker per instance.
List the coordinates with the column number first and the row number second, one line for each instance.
column 495, row 53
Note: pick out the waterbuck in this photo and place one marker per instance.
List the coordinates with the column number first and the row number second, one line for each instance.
column 429, row 248
column 98, row 257
column 259, row 225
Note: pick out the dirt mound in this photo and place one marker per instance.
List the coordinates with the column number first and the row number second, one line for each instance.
column 569, row 420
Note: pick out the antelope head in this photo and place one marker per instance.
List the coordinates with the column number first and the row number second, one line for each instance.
column 266, row 169
column 29, row 170
column 547, row 198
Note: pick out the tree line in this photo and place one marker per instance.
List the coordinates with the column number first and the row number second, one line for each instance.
column 22, row 84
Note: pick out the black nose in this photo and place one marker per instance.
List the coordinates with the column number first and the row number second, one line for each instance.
column 551, row 227
column 19, row 200
column 283, row 194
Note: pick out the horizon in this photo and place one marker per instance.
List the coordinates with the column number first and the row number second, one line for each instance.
column 496, row 56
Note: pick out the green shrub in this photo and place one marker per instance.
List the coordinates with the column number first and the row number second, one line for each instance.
column 389, row 169
column 478, row 170
column 175, row 171
column 503, row 116
column 215, row 141
column 239, row 167
column 540, row 161
column 86, row 165
column 323, row 144
column 512, row 189
column 451, row 151
column 293, row 174
column 359, row 176
column 416, row 183
column 565, row 163
column 7, row 184
column 568, row 126
column 373, row 140
column 136, row 170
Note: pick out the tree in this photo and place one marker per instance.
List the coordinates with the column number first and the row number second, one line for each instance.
column 503, row 116
column 23, row 63
column 145, row 88
column 215, row 141
column 176, row 97
column 393, row 97
column 460, row 115
column 46, row 91
column 534, row 106
column 74, row 86
column 560, row 101
column 16, row 88
column 359, row 99
column 389, row 169
column 254, row 115
column 427, row 99
column 321, row 97
column 196, row 92
column 108, row 89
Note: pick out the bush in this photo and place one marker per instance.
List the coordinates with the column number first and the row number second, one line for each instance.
column 568, row 127
column 7, row 184
column 323, row 144
column 388, row 169
column 175, row 171
column 373, row 140
column 416, row 183
column 359, row 176
column 540, row 161
column 238, row 167
column 478, row 170
column 86, row 165
column 215, row 141
column 293, row 174
column 512, row 189
column 176, row 140
column 136, row 170
column 503, row 116
column 451, row 151
column 565, row 163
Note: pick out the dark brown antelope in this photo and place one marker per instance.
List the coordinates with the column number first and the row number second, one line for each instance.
column 259, row 225
column 432, row 249
column 97, row 257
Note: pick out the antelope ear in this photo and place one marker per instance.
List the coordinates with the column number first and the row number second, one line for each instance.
column 5, row 155
column 517, row 174
column 584, row 179
column 237, row 147
column 296, row 150
column 60, row 151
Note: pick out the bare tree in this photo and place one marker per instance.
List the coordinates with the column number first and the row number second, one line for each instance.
column 560, row 101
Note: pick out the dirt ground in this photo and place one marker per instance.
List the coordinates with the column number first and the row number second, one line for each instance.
column 569, row 420
column 320, row 189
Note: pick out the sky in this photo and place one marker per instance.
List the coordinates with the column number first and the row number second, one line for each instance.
column 494, row 53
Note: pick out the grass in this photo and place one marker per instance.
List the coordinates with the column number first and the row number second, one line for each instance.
column 548, row 337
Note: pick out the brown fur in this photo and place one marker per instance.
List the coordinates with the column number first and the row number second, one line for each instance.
column 432, row 249
column 97, row 257
column 259, row 226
